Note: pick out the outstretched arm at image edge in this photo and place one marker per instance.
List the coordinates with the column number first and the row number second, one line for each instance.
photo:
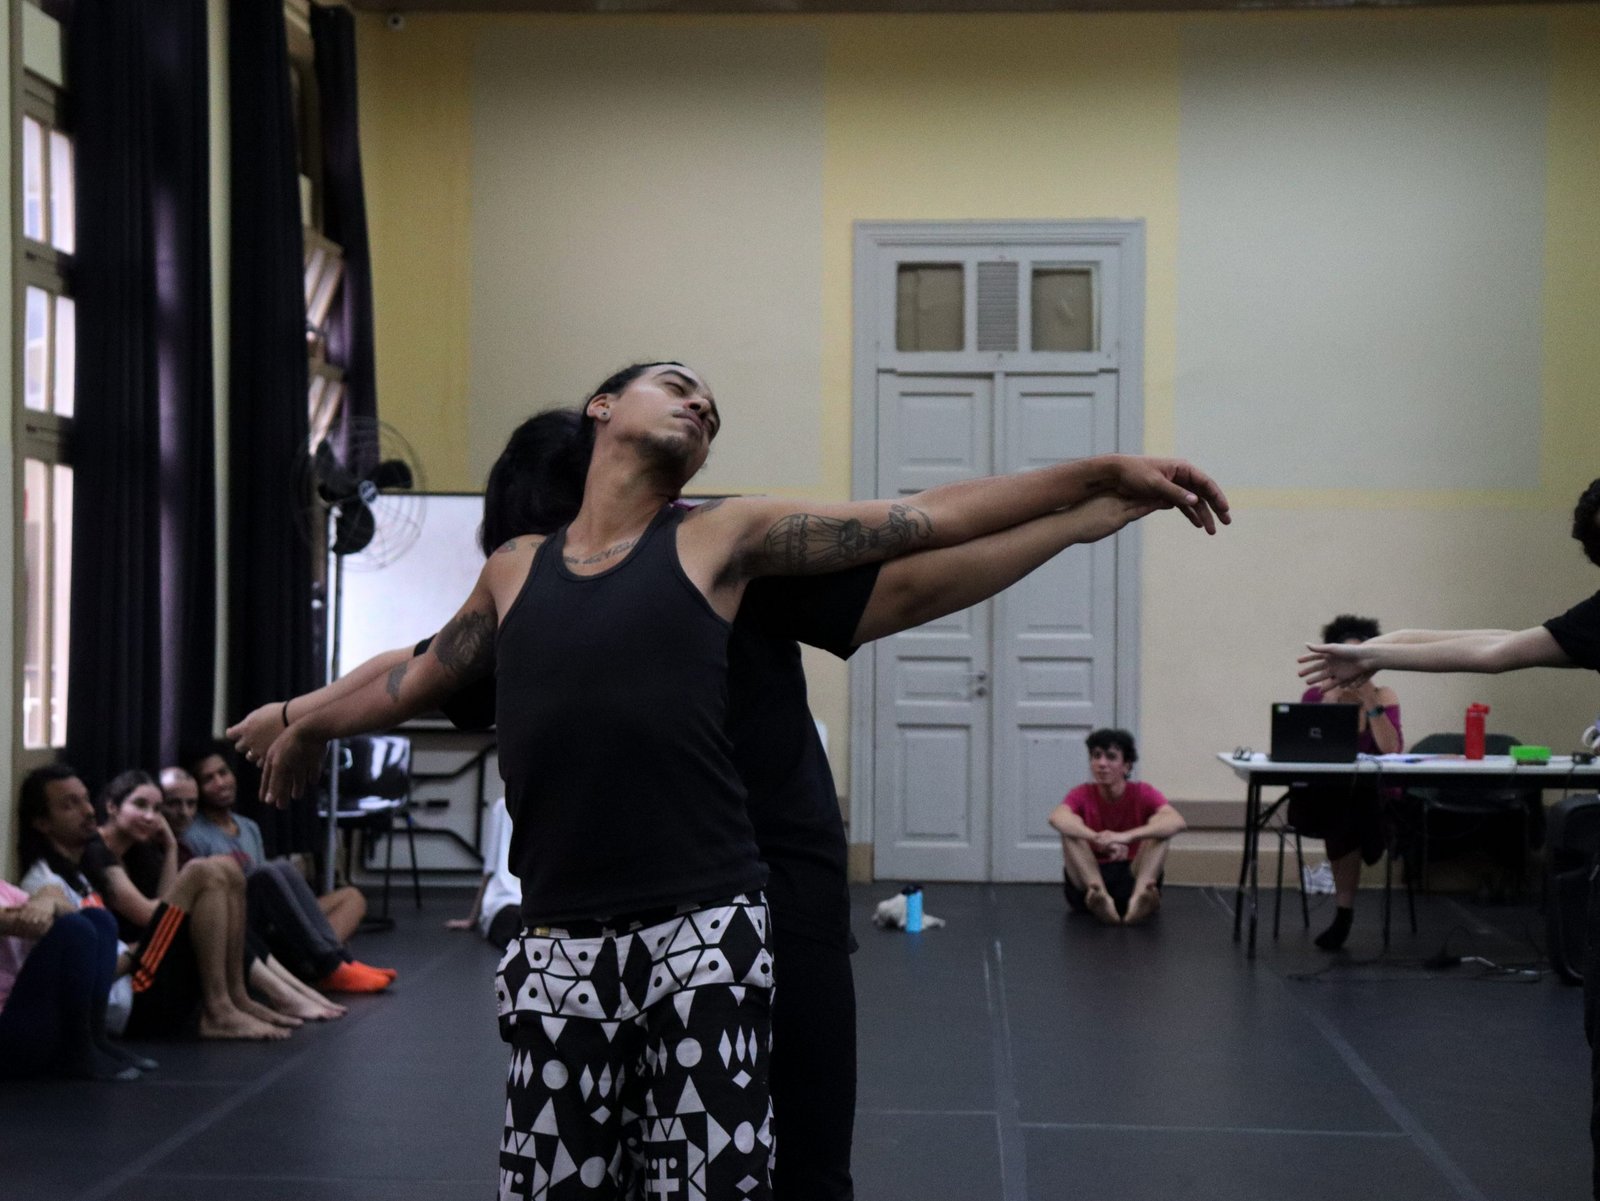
column 1489, row 652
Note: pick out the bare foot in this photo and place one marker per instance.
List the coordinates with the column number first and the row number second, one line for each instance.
column 236, row 1025
column 1098, row 902
column 265, row 1013
column 1142, row 906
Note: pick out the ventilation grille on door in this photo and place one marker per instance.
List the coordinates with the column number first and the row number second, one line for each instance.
column 997, row 306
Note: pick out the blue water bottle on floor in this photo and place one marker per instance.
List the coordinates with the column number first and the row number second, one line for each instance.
column 913, row 896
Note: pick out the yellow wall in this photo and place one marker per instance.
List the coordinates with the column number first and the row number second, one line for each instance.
column 1052, row 117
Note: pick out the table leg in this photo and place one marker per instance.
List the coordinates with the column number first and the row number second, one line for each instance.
column 1252, row 806
column 1254, row 815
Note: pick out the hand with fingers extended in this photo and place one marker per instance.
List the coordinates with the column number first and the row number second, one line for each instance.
column 290, row 766
column 1173, row 483
column 1330, row 665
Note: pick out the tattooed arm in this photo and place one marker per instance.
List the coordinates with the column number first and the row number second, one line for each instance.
column 462, row 652
column 252, row 735
column 774, row 537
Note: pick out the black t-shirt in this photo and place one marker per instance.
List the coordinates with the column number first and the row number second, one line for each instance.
column 96, row 861
column 1577, row 632
column 791, row 797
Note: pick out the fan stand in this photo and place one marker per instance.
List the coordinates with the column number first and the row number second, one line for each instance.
column 330, row 847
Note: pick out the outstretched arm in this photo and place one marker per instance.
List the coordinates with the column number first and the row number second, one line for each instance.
column 919, row 588
column 253, row 735
column 763, row 536
column 1488, row 651
column 462, row 652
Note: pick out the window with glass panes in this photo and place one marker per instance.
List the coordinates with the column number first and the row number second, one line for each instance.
column 47, row 401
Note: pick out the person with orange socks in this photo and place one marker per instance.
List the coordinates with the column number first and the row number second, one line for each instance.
column 282, row 908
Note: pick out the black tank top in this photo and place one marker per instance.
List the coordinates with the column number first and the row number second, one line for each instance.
column 611, row 702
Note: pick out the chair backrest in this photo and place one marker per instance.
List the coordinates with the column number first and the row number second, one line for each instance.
column 376, row 767
column 1456, row 744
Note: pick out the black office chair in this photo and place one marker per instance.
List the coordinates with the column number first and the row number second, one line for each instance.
column 375, row 792
column 1392, row 847
column 1428, row 804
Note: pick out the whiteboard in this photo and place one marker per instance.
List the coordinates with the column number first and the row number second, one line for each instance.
column 407, row 600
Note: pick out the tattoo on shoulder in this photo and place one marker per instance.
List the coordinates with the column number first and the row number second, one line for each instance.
column 397, row 675
column 506, row 547
column 465, row 646
column 806, row 542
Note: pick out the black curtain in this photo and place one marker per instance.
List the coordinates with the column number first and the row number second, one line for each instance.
column 270, row 631
column 144, row 546
column 344, row 211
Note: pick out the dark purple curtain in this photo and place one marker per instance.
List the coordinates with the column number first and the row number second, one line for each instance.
column 270, row 627
column 144, row 545
column 350, row 345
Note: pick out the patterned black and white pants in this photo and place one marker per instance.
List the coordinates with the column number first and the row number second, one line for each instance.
column 639, row 1058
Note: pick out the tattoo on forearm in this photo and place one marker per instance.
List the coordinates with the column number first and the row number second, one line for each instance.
column 465, row 646
column 397, row 674
column 805, row 542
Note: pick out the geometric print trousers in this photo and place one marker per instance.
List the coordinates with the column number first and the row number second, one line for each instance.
column 639, row 1058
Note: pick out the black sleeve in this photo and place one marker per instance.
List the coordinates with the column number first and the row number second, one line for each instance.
column 472, row 708
column 819, row 610
column 96, row 860
column 1577, row 632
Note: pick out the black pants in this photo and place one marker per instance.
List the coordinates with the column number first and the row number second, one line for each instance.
column 283, row 910
column 57, row 1007
column 1591, row 1017
column 813, row 1068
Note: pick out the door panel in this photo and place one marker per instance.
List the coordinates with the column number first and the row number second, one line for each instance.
column 932, row 709
column 1054, row 633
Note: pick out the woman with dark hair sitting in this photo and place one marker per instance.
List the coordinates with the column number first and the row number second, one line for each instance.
column 1349, row 817
column 137, row 836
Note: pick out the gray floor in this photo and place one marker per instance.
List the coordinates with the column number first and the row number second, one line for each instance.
column 1015, row 1054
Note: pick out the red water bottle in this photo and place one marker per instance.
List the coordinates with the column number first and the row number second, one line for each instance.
column 1475, row 716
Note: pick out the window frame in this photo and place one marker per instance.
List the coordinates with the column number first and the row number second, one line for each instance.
column 38, row 435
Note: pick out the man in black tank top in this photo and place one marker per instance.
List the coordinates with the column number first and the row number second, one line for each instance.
column 635, row 980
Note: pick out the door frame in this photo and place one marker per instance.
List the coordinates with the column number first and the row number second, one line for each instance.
column 872, row 237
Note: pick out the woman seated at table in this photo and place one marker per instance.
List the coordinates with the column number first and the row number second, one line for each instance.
column 1348, row 816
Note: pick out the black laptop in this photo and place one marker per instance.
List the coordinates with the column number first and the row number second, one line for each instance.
column 1314, row 733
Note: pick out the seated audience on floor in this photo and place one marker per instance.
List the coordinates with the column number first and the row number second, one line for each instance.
column 282, row 909
column 1114, row 834
column 187, row 966
column 497, row 909
column 58, row 966
column 1349, row 815
column 219, row 830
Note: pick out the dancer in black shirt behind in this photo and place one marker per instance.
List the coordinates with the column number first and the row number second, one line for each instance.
column 639, row 969
column 1571, row 639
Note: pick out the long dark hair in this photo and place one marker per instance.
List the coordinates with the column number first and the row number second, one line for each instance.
column 120, row 788
column 33, row 802
column 536, row 485
column 1584, row 518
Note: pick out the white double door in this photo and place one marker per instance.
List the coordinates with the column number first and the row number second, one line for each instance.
column 979, row 718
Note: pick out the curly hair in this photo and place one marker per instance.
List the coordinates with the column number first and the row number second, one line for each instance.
column 1586, row 522
column 1104, row 740
column 1347, row 626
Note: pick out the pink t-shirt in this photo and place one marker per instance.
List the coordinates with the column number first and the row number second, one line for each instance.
column 12, row 950
column 1138, row 803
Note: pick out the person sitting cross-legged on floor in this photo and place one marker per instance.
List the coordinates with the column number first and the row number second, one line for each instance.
column 1114, row 834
